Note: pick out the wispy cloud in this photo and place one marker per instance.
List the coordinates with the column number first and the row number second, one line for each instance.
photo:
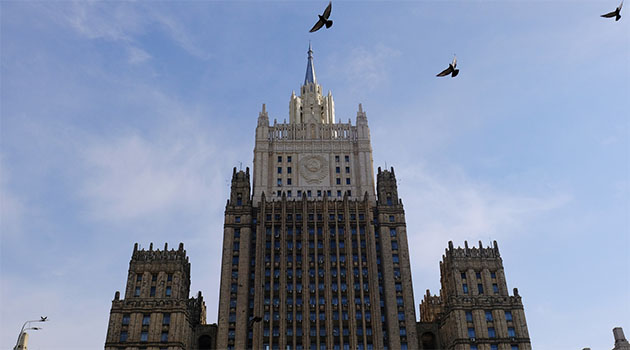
column 365, row 67
column 449, row 205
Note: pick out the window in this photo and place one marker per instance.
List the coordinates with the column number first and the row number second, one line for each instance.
column 168, row 291
column 237, row 219
column 136, row 293
column 463, row 275
column 288, row 159
column 473, row 347
column 125, row 319
column 347, row 170
column 493, row 275
column 338, row 181
column 403, row 331
column 154, row 277
column 471, row 332
column 478, row 275
column 491, row 332
column 146, row 319
column 508, row 315
column 489, row 316
column 279, row 170
column 347, row 181
column 288, row 181
column 289, row 193
column 391, row 218
column 347, row 158
column 279, row 182
column 511, row 332
column 164, row 337
column 337, row 159
column 469, row 316
column 394, row 245
column 170, row 277
column 152, row 292
column 144, row 336
column 480, row 288
column 394, row 258
column 308, row 193
column 123, row 336
column 288, row 170
column 465, row 287
column 392, row 232
column 338, row 192
column 279, row 159
column 139, row 278
column 389, row 200
column 338, row 170
column 494, row 347
column 166, row 319
column 514, row 347
column 495, row 288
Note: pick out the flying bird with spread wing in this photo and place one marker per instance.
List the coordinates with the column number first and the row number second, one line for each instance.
column 615, row 13
column 450, row 70
column 323, row 19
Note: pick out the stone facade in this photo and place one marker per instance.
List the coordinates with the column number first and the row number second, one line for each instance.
column 156, row 312
column 474, row 309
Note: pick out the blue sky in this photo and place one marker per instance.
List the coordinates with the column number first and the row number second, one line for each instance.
column 121, row 122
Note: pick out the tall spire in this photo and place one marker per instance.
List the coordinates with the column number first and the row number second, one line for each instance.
column 310, row 68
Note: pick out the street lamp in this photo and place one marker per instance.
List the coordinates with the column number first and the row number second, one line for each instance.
column 21, row 336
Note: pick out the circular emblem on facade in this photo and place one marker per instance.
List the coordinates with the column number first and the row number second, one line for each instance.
column 313, row 169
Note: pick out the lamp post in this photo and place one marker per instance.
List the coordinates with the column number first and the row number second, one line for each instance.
column 24, row 328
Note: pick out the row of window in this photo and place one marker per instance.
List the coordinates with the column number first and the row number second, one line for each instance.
column 146, row 319
column 495, row 288
column 319, row 192
column 337, row 159
column 493, row 275
column 167, row 292
column 144, row 336
column 491, row 332
column 311, row 217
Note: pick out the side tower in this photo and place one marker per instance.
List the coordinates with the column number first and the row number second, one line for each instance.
column 156, row 312
column 474, row 309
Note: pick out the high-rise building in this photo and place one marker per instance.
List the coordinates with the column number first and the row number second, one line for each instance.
column 315, row 256
column 315, row 252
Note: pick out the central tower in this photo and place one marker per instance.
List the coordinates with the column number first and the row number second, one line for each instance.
column 315, row 255
column 312, row 155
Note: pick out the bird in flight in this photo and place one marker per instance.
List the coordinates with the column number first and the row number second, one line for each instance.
column 614, row 13
column 450, row 70
column 323, row 19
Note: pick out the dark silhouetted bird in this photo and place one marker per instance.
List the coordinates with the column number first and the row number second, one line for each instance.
column 43, row 318
column 615, row 13
column 323, row 19
column 450, row 70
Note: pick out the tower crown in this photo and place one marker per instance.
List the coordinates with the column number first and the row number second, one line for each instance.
column 311, row 107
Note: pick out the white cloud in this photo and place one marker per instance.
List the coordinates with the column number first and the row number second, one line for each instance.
column 137, row 55
column 365, row 67
column 134, row 176
column 449, row 206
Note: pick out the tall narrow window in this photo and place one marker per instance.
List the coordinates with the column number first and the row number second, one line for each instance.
column 166, row 319
column 168, row 291
column 146, row 319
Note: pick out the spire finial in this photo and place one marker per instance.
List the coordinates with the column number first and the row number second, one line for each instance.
column 310, row 68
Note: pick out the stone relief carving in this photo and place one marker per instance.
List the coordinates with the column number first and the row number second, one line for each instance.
column 313, row 168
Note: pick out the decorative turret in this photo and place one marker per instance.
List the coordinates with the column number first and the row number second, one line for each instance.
column 386, row 187
column 240, row 190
